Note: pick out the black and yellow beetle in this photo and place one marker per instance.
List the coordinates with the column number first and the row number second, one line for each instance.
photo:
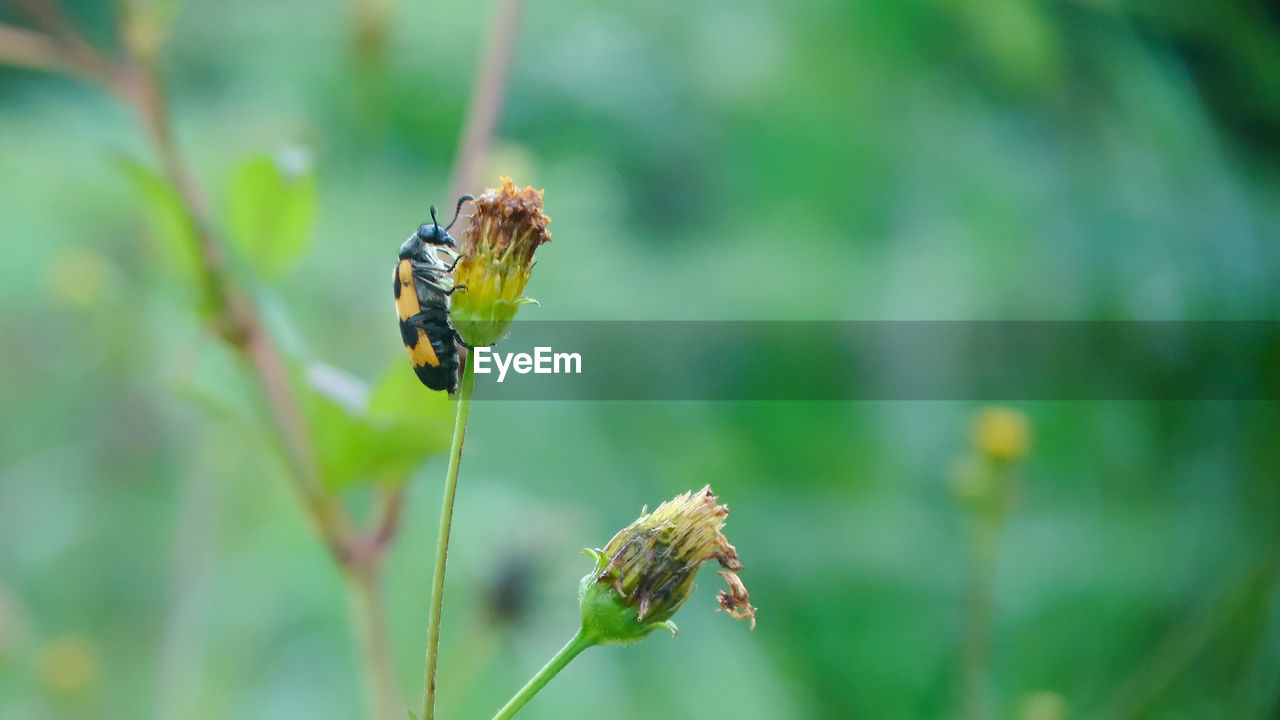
column 423, row 287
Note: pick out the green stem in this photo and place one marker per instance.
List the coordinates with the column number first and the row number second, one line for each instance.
column 567, row 653
column 977, row 641
column 442, row 543
column 987, row 528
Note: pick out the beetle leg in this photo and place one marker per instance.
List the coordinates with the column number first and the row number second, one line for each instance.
column 417, row 321
column 421, row 321
column 449, row 253
column 433, row 282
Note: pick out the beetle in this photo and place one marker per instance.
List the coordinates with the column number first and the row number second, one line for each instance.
column 422, row 287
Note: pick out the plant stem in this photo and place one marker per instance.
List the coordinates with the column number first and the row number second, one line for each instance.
column 976, row 649
column 382, row 698
column 137, row 81
column 486, row 96
column 442, row 543
column 477, row 133
column 557, row 663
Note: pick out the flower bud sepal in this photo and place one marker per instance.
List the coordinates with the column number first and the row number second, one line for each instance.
column 607, row 617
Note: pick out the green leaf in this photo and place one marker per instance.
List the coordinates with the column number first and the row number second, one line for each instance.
column 401, row 426
column 270, row 212
column 166, row 215
column 401, row 398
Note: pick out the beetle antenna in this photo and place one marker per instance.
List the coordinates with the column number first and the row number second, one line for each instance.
column 433, row 217
column 457, row 211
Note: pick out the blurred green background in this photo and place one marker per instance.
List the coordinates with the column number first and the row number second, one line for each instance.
column 877, row 159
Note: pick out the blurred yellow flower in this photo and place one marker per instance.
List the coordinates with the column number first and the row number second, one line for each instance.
column 77, row 276
column 1001, row 433
column 68, row 663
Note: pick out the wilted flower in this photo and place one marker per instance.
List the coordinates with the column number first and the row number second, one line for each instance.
column 497, row 258
column 736, row 601
column 646, row 572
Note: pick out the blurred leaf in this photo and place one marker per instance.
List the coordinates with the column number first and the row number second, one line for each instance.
column 270, row 212
column 413, row 417
column 401, row 426
column 167, row 217
column 402, row 398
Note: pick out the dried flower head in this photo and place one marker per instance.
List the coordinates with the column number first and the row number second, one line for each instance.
column 496, row 261
column 645, row 573
column 736, row 601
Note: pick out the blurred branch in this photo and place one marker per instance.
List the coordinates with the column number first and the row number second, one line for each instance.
column 382, row 696
column 975, row 657
column 370, row 22
column 197, row 516
column 237, row 320
column 390, row 502
column 138, row 82
column 357, row 554
column 31, row 50
column 1175, row 653
column 50, row 16
column 367, row 548
column 239, row 323
column 34, row 50
column 76, row 53
column 486, row 97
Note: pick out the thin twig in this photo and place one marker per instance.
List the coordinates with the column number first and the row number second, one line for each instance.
column 390, row 504
column 50, row 16
column 138, row 83
column 34, row 50
column 239, row 322
column 78, row 53
column 486, row 98
column 31, row 50
column 382, row 696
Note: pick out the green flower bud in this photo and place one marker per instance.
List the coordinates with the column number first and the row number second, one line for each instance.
column 496, row 261
column 645, row 573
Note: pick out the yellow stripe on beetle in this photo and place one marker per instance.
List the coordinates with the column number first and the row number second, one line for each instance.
column 407, row 294
column 422, row 353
